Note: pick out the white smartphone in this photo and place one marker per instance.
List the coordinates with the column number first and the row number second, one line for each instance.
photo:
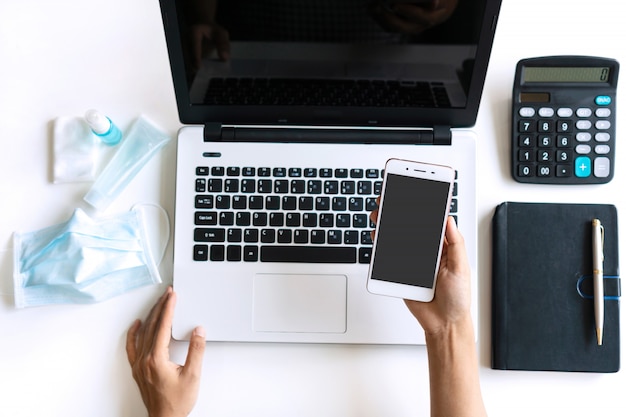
column 412, row 215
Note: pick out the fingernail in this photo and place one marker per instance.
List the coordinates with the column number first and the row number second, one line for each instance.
column 199, row 331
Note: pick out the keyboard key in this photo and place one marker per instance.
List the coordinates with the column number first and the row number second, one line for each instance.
column 326, row 173
column 234, row 235
column 259, row 219
column 217, row 253
column 314, row 187
column 365, row 255
column 255, row 202
column 251, row 235
column 217, row 171
column 350, row 237
column 279, row 172
column 200, row 185
column 250, row 253
column 204, row 202
column 322, row 203
column 268, row 235
column 341, row 173
column 233, row 253
column 248, row 172
column 293, row 219
column 301, row 236
column 215, row 185
column 272, row 202
column 298, row 187
column 201, row 252
column 239, row 202
column 356, row 173
column 205, row 218
column 372, row 173
column 289, row 203
column 233, row 171
column 331, row 187
column 284, row 235
column 334, row 237
column 222, row 202
column 305, row 203
column 307, row 254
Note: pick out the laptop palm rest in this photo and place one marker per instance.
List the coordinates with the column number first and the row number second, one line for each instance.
column 294, row 303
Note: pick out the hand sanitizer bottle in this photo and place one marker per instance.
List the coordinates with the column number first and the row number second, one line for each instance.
column 103, row 127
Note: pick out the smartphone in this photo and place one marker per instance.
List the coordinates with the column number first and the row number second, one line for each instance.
column 412, row 215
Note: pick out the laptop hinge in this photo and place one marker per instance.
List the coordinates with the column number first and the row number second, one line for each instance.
column 216, row 132
column 442, row 135
column 213, row 132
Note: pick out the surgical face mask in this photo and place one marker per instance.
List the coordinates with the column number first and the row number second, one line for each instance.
column 83, row 260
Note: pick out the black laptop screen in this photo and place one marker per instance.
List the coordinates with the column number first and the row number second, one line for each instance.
column 332, row 62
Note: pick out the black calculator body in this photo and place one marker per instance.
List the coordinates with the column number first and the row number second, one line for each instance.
column 564, row 120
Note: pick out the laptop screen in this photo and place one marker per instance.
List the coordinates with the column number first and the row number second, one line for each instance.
column 413, row 63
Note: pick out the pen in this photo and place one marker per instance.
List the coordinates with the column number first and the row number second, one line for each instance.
column 597, row 243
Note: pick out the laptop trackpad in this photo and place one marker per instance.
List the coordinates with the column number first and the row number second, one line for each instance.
column 296, row 303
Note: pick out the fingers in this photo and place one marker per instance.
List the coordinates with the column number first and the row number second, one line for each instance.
column 147, row 332
column 195, row 355
column 131, row 342
column 456, row 253
column 164, row 329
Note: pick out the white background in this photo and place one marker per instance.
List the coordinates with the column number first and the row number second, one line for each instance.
column 59, row 58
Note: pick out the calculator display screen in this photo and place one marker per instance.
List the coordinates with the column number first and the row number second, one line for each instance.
column 566, row 74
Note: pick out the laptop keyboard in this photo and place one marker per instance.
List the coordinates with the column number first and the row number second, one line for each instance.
column 286, row 214
column 323, row 92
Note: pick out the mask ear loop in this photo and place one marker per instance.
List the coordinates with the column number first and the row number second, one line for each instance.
column 165, row 216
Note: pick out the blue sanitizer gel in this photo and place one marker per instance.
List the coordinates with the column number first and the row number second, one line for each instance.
column 142, row 141
column 103, row 127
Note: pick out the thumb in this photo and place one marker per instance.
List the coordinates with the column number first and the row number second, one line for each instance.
column 195, row 355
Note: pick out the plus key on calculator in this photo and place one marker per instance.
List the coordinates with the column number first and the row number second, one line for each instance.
column 563, row 124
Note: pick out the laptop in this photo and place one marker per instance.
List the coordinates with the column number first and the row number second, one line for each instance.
column 291, row 111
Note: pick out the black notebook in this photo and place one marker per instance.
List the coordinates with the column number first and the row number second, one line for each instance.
column 543, row 314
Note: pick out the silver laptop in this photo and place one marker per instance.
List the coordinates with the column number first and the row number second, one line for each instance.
column 291, row 119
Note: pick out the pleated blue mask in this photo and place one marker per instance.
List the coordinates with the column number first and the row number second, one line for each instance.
column 83, row 260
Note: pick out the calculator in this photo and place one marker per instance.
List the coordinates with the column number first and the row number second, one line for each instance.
column 563, row 124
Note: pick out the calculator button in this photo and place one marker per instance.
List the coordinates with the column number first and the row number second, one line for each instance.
column 602, row 137
column 544, row 171
column 583, row 125
column 602, row 167
column 563, row 171
column 583, row 112
column 545, row 126
column 564, row 156
column 525, row 156
column 526, row 126
column 582, row 167
column 526, row 112
column 545, row 141
column 603, row 125
column 546, row 112
column 602, row 149
column 564, row 126
column 563, row 141
column 564, row 112
column 603, row 112
column 583, row 136
column 524, row 171
column 526, row 141
column 603, row 100
column 583, row 149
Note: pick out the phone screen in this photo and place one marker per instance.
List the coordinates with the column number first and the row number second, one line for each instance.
column 411, row 221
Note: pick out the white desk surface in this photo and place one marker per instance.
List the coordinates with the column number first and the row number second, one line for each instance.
column 60, row 58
